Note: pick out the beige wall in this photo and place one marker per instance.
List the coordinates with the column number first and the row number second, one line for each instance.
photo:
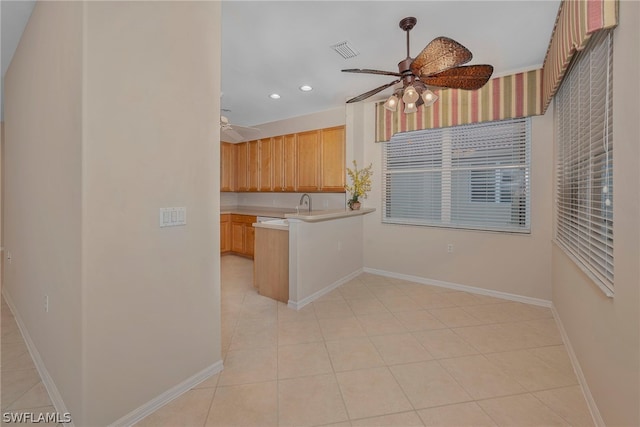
column 605, row 332
column 511, row 263
column 322, row 254
column 108, row 114
column 43, row 190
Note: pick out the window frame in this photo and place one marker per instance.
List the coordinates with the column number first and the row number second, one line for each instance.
column 577, row 201
column 449, row 169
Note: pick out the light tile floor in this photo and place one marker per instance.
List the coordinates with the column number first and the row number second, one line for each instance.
column 374, row 352
column 22, row 390
column 382, row 352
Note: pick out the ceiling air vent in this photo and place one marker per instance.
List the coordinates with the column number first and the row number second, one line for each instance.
column 345, row 50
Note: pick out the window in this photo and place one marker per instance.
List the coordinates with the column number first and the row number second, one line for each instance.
column 473, row 176
column 584, row 142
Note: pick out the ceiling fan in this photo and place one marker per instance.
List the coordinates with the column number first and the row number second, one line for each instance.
column 440, row 64
column 234, row 132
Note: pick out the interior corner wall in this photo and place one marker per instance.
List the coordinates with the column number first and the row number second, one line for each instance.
column 108, row 109
column 42, row 189
column 151, row 307
column 605, row 332
column 517, row 264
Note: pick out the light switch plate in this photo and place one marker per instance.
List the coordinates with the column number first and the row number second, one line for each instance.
column 170, row 217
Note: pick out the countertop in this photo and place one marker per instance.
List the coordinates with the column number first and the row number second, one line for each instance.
column 313, row 216
column 316, row 216
column 274, row 212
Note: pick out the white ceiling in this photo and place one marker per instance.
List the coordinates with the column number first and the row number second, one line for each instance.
column 276, row 46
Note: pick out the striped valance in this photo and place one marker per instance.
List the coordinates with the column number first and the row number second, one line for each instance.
column 513, row 96
column 576, row 21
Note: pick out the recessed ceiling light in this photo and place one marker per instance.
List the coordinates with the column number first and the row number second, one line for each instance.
column 306, row 88
column 274, row 96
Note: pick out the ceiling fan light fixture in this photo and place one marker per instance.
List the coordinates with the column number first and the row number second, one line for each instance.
column 429, row 98
column 410, row 107
column 411, row 95
column 392, row 103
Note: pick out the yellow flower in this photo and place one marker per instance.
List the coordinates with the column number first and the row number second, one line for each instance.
column 361, row 182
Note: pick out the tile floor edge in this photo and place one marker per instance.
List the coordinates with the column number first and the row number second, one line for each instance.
column 49, row 384
column 465, row 288
column 171, row 394
column 584, row 386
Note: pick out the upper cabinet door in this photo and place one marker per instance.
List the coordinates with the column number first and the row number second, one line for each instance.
column 332, row 159
column 242, row 153
column 253, row 161
column 290, row 162
column 266, row 164
column 227, row 166
column 277, row 163
column 308, row 161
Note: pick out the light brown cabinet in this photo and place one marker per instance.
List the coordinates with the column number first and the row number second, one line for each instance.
column 266, row 164
column 308, row 161
column 249, row 239
column 277, row 163
column 290, row 148
column 242, row 234
column 332, row 159
column 225, row 233
column 242, row 164
column 271, row 266
column 253, row 165
column 227, row 166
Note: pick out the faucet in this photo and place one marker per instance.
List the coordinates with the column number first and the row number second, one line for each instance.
column 308, row 201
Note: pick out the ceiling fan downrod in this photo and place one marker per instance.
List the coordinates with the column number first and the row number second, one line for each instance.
column 404, row 66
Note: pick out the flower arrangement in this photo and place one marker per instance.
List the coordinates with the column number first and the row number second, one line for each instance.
column 361, row 184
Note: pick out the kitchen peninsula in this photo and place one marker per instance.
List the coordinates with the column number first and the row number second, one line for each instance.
column 325, row 250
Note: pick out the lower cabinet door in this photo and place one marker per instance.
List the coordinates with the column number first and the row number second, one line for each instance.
column 237, row 237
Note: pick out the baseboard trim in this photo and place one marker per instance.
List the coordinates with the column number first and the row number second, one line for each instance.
column 588, row 397
column 304, row 301
column 464, row 288
column 153, row 405
column 49, row 385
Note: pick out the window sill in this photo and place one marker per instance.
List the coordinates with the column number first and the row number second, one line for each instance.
column 596, row 281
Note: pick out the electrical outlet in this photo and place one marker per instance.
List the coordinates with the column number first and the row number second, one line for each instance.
column 339, row 246
column 9, row 257
column 325, row 203
column 450, row 248
column 46, row 303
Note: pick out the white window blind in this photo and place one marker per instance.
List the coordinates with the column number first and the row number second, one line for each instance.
column 472, row 176
column 584, row 181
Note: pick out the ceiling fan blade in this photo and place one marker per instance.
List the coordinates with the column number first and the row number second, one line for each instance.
column 367, row 71
column 468, row 77
column 439, row 55
column 372, row 92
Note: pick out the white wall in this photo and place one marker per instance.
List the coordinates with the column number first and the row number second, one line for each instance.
column 605, row 332
column 512, row 263
column 108, row 118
